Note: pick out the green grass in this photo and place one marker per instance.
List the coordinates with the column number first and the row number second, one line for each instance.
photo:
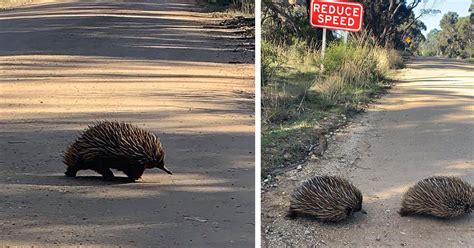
column 297, row 96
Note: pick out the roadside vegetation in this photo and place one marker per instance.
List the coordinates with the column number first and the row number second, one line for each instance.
column 301, row 102
column 244, row 8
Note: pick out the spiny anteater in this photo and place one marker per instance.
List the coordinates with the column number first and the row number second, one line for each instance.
column 327, row 198
column 440, row 196
column 122, row 146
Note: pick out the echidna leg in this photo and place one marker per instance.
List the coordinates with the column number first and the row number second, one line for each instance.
column 135, row 172
column 71, row 171
column 107, row 174
column 100, row 167
column 291, row 214
column 405, row 212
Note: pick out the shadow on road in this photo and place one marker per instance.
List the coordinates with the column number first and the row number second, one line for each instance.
column 142, row 31
column 150, row 63
column 220, row 182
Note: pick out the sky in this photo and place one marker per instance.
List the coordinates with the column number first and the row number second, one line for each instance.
column 431, row 22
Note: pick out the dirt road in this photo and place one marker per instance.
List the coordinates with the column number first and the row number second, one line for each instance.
column 424, row 127
column 153, row 63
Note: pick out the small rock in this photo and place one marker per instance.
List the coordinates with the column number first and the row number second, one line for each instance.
column 377, row 239
column 403, row 233
column 300, row 167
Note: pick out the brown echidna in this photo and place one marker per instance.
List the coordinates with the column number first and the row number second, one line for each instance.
column 440, row 196
column 327, row 198
column 106, row 144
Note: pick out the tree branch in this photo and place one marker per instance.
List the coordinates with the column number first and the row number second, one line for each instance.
column 281, row 13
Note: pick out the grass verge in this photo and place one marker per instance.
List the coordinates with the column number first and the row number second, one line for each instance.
column 299, row 102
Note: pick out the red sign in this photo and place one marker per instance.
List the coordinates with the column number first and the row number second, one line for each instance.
column 336, row 15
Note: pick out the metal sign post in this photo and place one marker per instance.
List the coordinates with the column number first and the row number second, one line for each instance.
column 323, row 49
column 345, row 16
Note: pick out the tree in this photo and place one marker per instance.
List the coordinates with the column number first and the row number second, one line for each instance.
column 283, row 23
column 448, row 39
column 466, row 37
column 454, row 40
column 430, row 46
column 382, row 18
column 411, row 30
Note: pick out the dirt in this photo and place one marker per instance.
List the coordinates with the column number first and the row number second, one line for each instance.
column 156, row 64
column 423, row 127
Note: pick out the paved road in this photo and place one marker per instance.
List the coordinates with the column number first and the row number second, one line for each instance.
column 424, row 127
column 152, row 63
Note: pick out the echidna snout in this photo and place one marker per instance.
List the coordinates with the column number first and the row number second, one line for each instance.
column 161, row 165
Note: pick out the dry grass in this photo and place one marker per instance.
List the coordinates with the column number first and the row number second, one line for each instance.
column 296, row 95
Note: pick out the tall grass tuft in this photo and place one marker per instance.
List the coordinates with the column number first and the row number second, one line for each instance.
column 352, row 70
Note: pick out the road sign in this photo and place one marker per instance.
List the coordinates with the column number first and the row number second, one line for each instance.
column 336, row 15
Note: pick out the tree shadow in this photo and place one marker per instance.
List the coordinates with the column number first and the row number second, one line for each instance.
column 145, row 31
column 209, row 200
column 435, row 63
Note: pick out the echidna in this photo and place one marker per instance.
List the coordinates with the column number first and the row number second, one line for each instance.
column 122, row 146
column 440, row 196
column 327, row 198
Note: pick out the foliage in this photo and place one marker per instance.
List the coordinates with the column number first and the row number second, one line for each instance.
column 454, row 40
column 382, row 19
column 271, row 61
column 242, row 6
column 430, row 46
column 282, row 24
column 411, row 30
